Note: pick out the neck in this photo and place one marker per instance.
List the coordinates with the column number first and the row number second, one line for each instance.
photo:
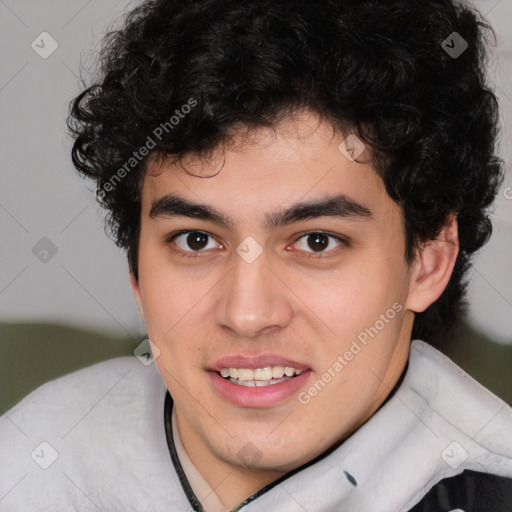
column 231, row 483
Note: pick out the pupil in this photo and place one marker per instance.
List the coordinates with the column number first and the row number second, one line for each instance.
column 317, row 244
column 197, row 240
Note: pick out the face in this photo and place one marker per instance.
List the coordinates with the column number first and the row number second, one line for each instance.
column 292, row 256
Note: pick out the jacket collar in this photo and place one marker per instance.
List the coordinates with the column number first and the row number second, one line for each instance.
column 436, row 422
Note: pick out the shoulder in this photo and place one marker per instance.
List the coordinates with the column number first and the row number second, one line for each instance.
column 471, row 491
column 55, row 402
column 479, row 421
column 79, row 430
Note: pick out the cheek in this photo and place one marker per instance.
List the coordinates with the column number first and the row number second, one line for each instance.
column 170, row 294
column 176, row 308
column 353, row 296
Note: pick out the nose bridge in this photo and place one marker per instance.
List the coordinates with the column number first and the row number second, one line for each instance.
column 253, row 299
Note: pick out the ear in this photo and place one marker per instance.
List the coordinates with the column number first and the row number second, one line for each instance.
column 433, row 267
column 136, row 292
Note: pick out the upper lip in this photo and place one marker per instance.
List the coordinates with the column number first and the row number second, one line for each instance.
column 253, row 362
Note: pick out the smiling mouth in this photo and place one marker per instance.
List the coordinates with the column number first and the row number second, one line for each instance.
column 259, row 377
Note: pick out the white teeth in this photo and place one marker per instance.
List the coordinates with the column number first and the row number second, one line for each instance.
column 263, row 373
column 245, row 374
column 257, row 383
column 277, row 372
column 259, row 375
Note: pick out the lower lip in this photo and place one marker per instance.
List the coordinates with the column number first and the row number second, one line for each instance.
column 263, row 396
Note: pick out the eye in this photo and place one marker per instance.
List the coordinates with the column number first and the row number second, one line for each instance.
column 318, row 242
column 197, row 241
column 194, row 242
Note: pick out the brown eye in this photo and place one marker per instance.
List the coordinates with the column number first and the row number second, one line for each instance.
column 197, row 240
column 192, row 241
column 319, row 242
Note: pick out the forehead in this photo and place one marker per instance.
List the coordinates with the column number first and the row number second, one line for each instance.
column 266, row 172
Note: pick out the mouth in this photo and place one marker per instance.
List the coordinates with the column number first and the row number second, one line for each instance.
column 258, row 382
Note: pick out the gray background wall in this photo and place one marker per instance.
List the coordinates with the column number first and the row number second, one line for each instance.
column 41, row 197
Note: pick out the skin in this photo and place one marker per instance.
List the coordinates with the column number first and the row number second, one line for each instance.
column 294, row 300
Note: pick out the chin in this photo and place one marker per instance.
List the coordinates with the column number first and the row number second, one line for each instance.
column 250, row 456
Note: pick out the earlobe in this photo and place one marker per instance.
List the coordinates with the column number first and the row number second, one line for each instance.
column 136, row 293
column 433, row 267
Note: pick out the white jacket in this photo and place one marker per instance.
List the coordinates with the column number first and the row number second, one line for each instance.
column 99, row 432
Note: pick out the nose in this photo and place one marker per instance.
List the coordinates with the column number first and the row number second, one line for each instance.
column 254, row 300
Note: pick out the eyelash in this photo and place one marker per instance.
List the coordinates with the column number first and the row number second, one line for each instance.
column 196, row 254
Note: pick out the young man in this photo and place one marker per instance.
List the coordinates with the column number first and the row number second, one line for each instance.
column 299, row 187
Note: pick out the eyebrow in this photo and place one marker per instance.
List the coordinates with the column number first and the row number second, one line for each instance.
column 335, row 206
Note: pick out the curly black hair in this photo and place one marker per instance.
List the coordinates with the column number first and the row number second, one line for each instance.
column 180, row 75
